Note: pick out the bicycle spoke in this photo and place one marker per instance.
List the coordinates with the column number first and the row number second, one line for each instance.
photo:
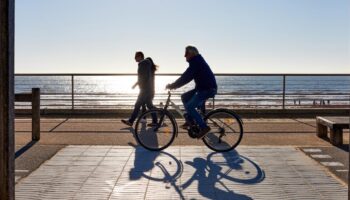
column 223, row 123
column 156, row 131
column 226, row 131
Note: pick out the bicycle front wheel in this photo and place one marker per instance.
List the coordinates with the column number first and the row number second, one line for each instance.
column 226, row 130
column 155, row 129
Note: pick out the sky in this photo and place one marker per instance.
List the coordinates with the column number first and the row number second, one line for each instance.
column 234, row 36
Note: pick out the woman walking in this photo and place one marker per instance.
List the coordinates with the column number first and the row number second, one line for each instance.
column 145, row 81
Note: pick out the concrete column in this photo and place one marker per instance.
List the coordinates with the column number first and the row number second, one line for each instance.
column 7, row 184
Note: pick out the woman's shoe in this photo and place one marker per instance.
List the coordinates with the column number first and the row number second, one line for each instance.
column 126, row 122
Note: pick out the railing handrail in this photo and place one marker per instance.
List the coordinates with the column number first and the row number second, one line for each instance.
column 176, row 74
column 75, row 96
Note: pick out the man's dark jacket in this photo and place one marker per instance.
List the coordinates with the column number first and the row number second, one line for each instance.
column 200, row 72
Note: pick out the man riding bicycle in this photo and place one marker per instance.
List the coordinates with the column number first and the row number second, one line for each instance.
column 205, row 87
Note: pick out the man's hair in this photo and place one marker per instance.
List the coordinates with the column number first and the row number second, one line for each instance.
column 193, row 50
column 139, row 53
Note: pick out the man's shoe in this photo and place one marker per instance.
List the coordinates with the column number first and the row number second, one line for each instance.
column 185, row 126
column 126, row 122
column 203, row 132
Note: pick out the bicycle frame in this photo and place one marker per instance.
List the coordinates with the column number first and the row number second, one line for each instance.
column 165, row 108
column 167, row 101
column 177, row 108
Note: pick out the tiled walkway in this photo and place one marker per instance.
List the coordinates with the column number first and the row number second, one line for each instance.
column 186, row 172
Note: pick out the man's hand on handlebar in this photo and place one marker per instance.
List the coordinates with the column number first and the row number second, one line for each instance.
column 168, row 87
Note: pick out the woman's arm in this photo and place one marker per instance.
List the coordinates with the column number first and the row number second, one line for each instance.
column 133, row 87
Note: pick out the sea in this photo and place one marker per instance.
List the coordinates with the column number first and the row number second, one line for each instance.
column 83, row 91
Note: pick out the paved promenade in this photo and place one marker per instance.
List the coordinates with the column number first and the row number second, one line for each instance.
column 91, row 158
column 180, row 172
column 97, row 131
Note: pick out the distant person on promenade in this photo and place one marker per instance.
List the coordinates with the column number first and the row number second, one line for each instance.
column 145, row 81
column 154, row 69
column 205, row 87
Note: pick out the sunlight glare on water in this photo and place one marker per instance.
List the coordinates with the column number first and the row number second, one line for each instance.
column 125, row 85
column 120, row 84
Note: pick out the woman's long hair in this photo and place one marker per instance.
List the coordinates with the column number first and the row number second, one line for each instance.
column 154, row 66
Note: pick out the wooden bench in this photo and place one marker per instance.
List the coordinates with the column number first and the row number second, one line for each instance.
column 335, row 125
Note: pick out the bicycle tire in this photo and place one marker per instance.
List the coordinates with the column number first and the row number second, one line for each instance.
column 235, row 118
column 173, row 127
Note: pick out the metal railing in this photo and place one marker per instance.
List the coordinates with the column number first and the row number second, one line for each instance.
column 254, row 91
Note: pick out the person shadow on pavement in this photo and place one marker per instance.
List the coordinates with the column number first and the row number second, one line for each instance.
column 209, row 173
column 144, row 159
column 206, row 183
column 143, row 162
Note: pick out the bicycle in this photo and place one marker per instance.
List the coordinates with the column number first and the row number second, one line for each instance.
column 226, row 128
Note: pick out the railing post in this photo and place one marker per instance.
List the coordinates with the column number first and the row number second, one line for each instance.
column 36, row 114
column 72, row 94
column 284, row 92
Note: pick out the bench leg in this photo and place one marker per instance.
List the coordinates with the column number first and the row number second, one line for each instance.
column 336, row 136
column 321, row 130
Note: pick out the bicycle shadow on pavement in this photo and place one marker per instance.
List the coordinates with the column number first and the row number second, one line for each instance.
column 146, row 161
column 219, row 170
column 215, row 176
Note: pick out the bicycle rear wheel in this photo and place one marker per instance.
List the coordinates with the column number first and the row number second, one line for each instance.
column 226, row 130
column 155, row 129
